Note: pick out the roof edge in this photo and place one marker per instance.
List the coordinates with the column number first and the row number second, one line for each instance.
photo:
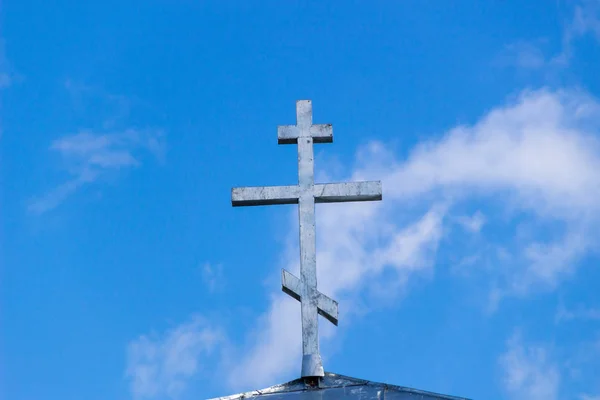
column 334, row 381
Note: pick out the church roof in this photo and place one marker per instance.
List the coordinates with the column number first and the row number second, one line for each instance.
column 334, row 387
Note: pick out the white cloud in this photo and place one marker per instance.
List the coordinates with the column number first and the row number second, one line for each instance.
column 4, row 79
column 212, row 275
column 528, row 371
column 540, row 156
column 536, row 150
column 472, row 223
column 5, row 75
column 523, row 54
column 583, row 20
column 160, row 367
column 586, row 19
column 347, row 263
column 578, row 313
column 89, row 156
column 536, row 154
column 549, row 262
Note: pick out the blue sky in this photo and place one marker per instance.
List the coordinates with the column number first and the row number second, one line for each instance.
column 126, row 274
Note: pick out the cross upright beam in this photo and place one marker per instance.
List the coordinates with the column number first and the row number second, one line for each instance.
column 306, row 193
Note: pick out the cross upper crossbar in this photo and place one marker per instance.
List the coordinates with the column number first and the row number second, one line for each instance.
column 289, row 134
column 306, row 193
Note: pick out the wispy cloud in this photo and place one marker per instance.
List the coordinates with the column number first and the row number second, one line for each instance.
column 160, row 366
column 6, row 77
column 5, row 70
column 529, row 372
column 564, row 314
column 89, row 156
column 586, row 19
column 523, row 54
column 94, row 154
column 472, row 223
column 212, row 275
column 583, row 20
column 105, row 109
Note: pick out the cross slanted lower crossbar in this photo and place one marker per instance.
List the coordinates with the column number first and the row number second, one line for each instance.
column 306, row 193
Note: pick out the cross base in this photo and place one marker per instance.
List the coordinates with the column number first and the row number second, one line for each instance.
column 312, row 366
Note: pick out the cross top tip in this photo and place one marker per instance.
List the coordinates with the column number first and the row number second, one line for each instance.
column 289, row 134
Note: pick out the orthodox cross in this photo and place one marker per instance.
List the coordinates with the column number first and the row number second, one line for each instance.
column 306, row 193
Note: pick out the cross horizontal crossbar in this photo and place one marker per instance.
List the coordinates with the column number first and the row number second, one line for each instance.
column 326, row 306
column 323, row 193
column 347, row 191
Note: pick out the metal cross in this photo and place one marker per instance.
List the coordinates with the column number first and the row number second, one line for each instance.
column 306, row 193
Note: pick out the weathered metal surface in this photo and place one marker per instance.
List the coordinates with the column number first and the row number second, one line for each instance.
column 264, row 195
column 322, row 193
column 306, row 194
column 339, row 387
column 347, row 191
